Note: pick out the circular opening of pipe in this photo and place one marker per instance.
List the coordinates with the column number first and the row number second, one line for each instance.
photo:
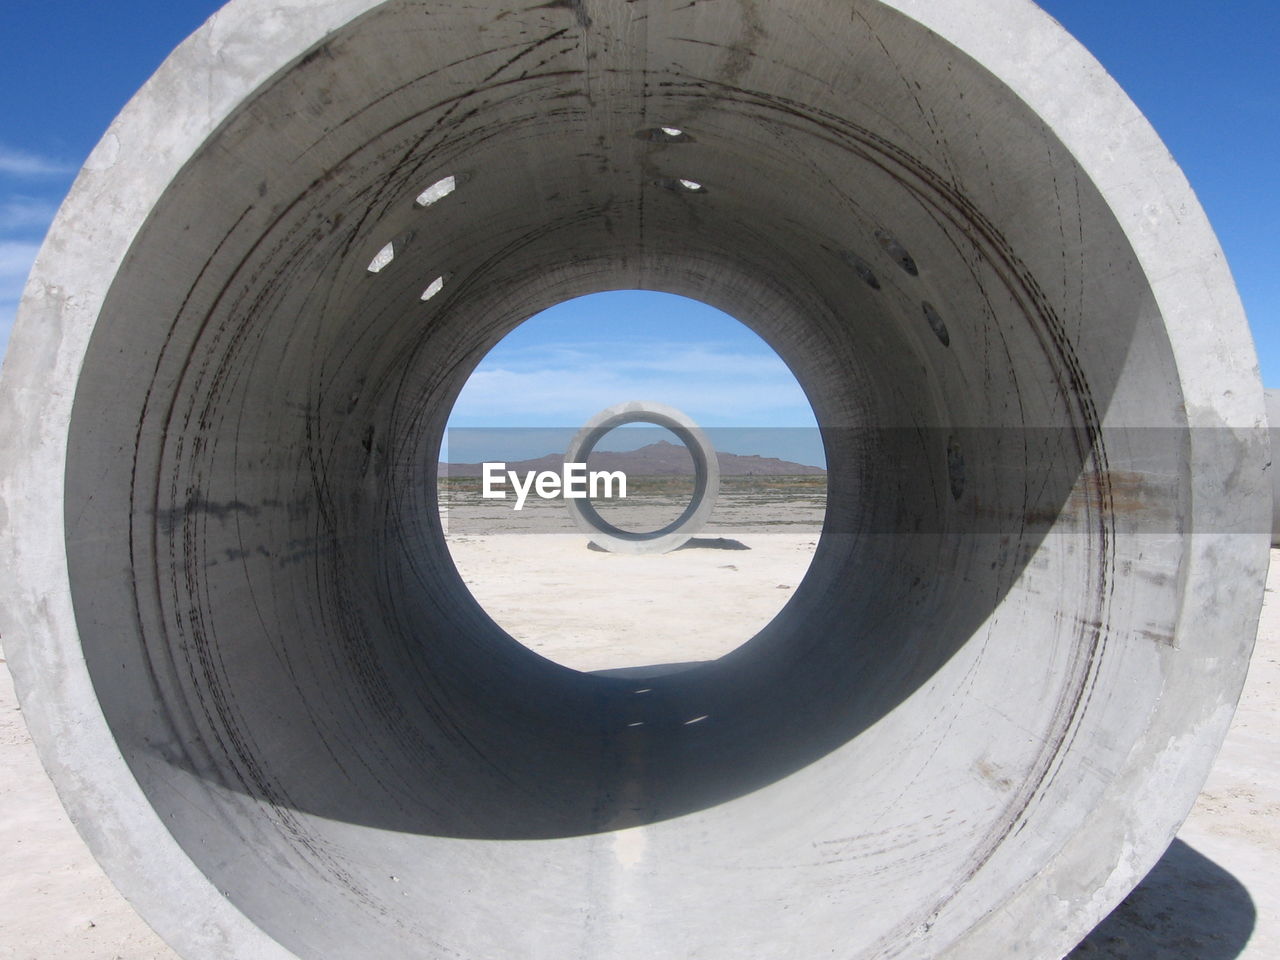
column 503, row 483
column 653, row 502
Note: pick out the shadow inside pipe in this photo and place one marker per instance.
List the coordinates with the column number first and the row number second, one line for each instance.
column 262, row 589
column 647, row 670
column 1187, row 908
column 391, row 694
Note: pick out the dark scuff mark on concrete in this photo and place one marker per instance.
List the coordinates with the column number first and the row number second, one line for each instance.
column 577, row 7
column 167, row 520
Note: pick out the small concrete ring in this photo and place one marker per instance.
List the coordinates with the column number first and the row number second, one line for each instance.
column 706, row 482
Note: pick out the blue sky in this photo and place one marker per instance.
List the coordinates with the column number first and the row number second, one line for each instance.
column 573, row 360
column 577, row 358
column 1205, row 74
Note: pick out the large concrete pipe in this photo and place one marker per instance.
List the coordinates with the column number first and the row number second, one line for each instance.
column 277, row 715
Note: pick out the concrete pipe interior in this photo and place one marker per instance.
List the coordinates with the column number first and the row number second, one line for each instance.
column 974, row 726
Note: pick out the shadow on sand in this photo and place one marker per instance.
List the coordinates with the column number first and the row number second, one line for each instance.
column 1187, row 908
column 713, row 543
column 695, row 543
column 647, row 670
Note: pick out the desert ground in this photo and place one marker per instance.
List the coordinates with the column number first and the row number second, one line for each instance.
column 1214, row 896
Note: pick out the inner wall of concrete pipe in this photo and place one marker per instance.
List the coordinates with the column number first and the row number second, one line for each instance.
column 904, row 762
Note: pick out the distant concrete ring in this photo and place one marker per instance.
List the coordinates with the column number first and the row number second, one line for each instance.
column 706, row 480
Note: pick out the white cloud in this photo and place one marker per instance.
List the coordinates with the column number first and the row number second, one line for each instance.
column 642, row 359
column 19, row 163
column 16, row 258
column 15, row 264
column 26, row 213
column 566, row 383
column 7, row 311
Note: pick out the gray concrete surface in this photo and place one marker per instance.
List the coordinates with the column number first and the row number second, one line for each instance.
column 1273, row 420
column 284, row 727
column 1214, row 895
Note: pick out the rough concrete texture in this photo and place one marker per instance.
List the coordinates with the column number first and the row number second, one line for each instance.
column 706, row 480
column 1273, row 421
column 283, row 725
column 1214, row 895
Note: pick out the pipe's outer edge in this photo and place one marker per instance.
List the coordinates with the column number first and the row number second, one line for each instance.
column 240, row 49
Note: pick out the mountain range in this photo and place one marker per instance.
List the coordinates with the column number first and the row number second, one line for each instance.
column 662, row 459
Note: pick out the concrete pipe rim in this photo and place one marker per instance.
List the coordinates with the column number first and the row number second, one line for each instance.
column 144, row 151
column 706, row 484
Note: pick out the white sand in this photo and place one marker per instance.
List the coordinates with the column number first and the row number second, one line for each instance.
column 55, row 903
column 592, row 610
